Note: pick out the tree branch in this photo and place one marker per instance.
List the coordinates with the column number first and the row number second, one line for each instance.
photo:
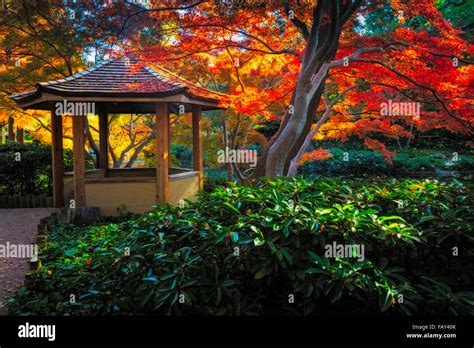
column 302, row 27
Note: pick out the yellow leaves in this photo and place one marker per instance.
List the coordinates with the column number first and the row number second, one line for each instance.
column 334, row 129
column 36, row 122
column 409, row 59
column 42, row 21
column 448, row 86
column 410, row 54
column 3, row 117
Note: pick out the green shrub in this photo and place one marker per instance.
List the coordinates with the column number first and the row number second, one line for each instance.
column 32, row 173
column 25, row 168
column 347, row 162
column 244, row 250
column 69, row 160
column 214, row 178
column 182, row 156
column 406, row 163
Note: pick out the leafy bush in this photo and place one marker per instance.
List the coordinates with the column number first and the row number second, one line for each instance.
column 354, row 162
column 182, row 156
column 25, row 168
column 210, row 184
column 214, row 177
column 412, row 163
column 268, row 128
column 32, row 173
column 244, row 250
column 421, row 160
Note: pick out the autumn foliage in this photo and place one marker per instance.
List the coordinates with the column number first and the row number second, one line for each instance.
column 254, row 51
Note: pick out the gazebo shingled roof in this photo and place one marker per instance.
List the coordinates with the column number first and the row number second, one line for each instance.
column 124, row 78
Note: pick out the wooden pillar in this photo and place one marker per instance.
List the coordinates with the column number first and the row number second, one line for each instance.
column 58, row 160
column 161, row 153
column 79, row 160
column 197, row 144
column 20, row 135
column 169, row 142
column 103, row 138
column 11, row 130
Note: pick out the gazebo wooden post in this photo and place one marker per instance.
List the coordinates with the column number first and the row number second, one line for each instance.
column 20, row 135
column 58, row 160
column 197, row 144
column 103, row 138
column 11, row 129
column 169, row 142
column 161, row 153
column 79, row 159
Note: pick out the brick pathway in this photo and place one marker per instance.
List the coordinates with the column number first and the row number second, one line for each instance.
column 17, row 226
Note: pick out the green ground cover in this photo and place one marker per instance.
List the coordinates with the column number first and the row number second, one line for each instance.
column 247, row 250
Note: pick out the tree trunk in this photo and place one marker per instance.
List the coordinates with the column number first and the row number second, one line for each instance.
column 225, row 145
column 278, row 152
column 321, row 47
column 91, row 141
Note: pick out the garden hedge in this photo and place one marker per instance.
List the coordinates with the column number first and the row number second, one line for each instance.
column 261, row 250
column 26, row 168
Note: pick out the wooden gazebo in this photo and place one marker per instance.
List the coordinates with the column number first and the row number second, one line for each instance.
column 122, row 86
